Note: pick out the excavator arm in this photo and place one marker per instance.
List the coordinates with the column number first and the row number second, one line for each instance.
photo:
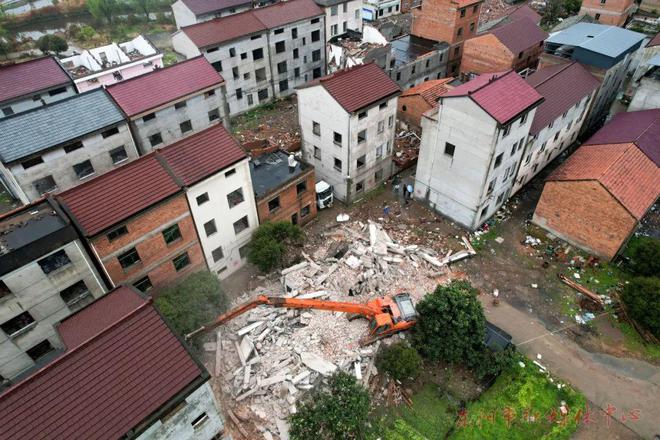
column 290, row 303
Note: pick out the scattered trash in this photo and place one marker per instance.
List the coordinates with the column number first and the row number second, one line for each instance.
column 535, row 286
column 499, row 240
column 343, row 218
column 576, row 276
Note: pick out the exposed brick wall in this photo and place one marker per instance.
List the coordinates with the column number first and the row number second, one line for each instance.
column 612, row 12
column 585, row 214
column 486, row 54
column 290, row 202
column 410, row 109
column 155, row 254
column 440, row 20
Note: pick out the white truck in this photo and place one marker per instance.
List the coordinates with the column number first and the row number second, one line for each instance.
column 324, row 196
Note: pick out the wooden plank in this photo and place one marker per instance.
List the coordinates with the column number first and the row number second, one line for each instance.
column 583, row 290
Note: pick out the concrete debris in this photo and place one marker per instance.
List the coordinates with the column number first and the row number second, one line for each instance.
column 283, row 429
column 210, row 346
column 317, row 363
column 499, row 240
column 249, row 328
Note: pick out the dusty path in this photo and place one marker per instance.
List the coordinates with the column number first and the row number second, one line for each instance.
column 620, row 385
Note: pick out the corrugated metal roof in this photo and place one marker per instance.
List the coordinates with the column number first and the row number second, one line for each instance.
column 519, row 35
column 202, row 154
column 610, row 41
column 501, row 95
column 104, row 386
column 359, row 86
column 562, row 86
column 151, row 90
column 624, row 170
column 29, row 77
column 62, row 121
column 201, row 7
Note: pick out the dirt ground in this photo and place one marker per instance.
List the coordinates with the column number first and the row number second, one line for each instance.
column 277, row 122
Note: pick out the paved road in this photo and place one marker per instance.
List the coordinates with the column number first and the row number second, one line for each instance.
column 607, row 381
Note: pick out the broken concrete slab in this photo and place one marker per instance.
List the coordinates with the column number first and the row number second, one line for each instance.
column 247, row 329
column 353, row 262
column 317, row 363
column 245, row 349
column 295, row 268
column 283, row 428
column 210, row 346
column 300, row 377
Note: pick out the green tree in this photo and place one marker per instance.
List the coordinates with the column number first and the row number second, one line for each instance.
column 642, row 299
column 192, row 302
column 103, row 9
column 553, row 10
column 336, row 414
column 451, row 325
column 271, row 242
column 6, row 44
column 400, row 360
column 492, row 363
column 645, row 256
column 52, row 43
column 144, row 6
column 572, row 7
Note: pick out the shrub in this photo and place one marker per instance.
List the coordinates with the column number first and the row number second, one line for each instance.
column 491, row 363
column 52, row 43
column 86, row 33
column 270, row 243
column 400, row 360
column 450, row 324
column 644, row 254
column 338, row 413
column 642, row 299
column 192, row 302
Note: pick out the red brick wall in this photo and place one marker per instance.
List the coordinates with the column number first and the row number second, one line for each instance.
column 613, row 12
column 155, row 255
column 440, row 20
column 414, row 105
column 290, row 202
column 585, row 214
column 486, row 54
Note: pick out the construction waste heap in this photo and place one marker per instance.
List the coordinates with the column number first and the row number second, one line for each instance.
column 270, row 358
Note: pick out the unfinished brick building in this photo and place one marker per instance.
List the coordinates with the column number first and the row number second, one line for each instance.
column 614, row 12
column 515, row 45
column 419, row 99
column 452, row 21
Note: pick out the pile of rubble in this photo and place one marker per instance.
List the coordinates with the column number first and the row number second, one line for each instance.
column 406, row 149
column 268, row 358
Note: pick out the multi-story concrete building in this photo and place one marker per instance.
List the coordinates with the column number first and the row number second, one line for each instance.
column 472, row 144
column 597, row 197
column 347, row 120
column 189, row 12
column 415, row 60
column 214, row 172
column 606, row 51
column 123, row 374
column 515, row 44
column 106, row 65
column 284, row 187
column 262, row 53
column 451, row 21
column 31, row 84
column 341, row 16
column 167, row 104
column 375, row 9
column 45, row 275
column 60, row 145
column 612, row 12
column 567, row 90
column 137, row 222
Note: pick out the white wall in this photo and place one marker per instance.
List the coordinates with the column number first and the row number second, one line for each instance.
column 349, row 12
column 182, row 15
column 38, row 99
column 647, row 95
column 217, row 208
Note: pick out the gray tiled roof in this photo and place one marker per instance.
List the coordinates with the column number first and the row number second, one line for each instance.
column 45, row 127
column 606, row 40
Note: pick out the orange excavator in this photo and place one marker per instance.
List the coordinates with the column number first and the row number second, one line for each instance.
column 386, row 315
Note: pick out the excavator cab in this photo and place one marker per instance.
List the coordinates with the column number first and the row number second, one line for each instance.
column 398, row 314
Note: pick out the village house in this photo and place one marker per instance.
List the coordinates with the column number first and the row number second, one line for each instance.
column 262, row 53
column 284, row 187
column 606, row 51
column 60, row 145
column 341, row 16
column 189, row 12
column 612, row 12
column 137, row 222
column 522, row 11
column 596, row 198
column 106, row 65
column 30, row 84
column 347, row 120
column 647, row 89
column 515, row 44
column 45, row 275
column 170, row 103
column 214, row 173
column 121, row 373
column 567, row 90
column 416, row 101
column 376, row 9
column 472, row 144
column 450, row 21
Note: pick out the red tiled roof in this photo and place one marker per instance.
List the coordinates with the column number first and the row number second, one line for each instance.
column 525, row 11
column 359, row 86
column 29, row 77
column 228, row 28
column 655, row 41
column 625, row 171
column 519, row 35
column 201, row 7
column 562, row 86
column 430, row 91
column 145, row 92
column 202, row 154
column 642, row 128
column 117, row 195
column 501, row 95
column 107, row 385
